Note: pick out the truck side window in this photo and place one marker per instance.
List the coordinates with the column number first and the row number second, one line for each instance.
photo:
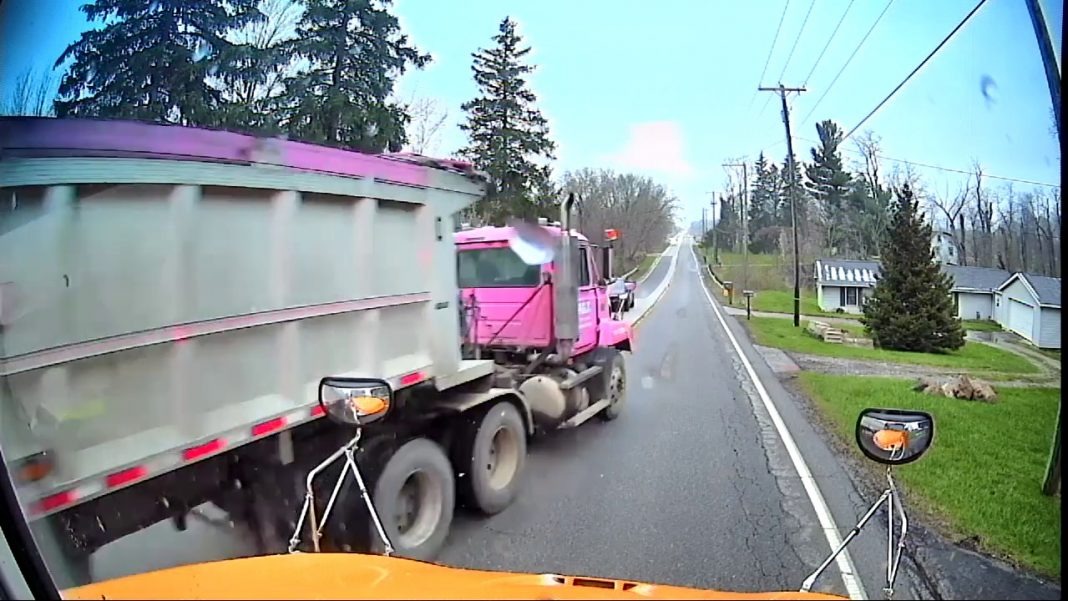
column 584, row 268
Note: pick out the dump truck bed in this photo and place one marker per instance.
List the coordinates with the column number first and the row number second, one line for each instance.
column 169, row 293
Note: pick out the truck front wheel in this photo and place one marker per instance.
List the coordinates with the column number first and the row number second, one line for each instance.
column 490, row 457
column 414, row 496
column 615, row 386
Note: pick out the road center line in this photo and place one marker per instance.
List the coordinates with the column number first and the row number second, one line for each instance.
column 830, row 530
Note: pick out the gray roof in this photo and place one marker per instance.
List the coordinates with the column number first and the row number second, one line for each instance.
column 976, row 278
column 847, row 272
column 1048, row 289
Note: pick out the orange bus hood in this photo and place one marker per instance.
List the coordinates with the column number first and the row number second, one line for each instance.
column 352, row 576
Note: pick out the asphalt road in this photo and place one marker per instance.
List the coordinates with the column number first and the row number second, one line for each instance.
column 690, row 486
column 657, row 275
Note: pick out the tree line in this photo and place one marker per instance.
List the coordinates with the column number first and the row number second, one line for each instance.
column 325, row 71
column 843, row 210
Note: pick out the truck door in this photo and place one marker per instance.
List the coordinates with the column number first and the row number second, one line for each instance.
column 589, row 302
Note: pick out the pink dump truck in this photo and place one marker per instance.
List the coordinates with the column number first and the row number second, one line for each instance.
column 170, row 298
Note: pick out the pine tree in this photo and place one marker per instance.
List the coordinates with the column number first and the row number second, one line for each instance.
column 506, row 132
column 151, row 60
column 356, row 52
column 911, row 308
column 829, row 184
column 763, row 207
column 798, row 191
column 252, row 89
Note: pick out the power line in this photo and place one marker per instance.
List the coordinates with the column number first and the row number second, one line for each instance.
column 828, row 44
column 775, row 39
column 848, row 60
column 796, row 40
column 918, row 67
column 939, row 167
column 771, row 51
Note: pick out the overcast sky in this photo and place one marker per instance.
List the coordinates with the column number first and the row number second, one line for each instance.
column 668, row 88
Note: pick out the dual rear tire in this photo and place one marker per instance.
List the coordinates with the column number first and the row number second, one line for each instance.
column 417, row 489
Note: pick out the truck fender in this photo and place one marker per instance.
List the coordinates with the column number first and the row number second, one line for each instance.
column 616, row 334
column 464, row 401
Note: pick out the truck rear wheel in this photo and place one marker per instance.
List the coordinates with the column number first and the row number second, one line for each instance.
column 490, row 456
column 615, row 387
column 414, row 496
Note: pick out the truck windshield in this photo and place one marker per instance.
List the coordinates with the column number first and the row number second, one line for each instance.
column 494, row 268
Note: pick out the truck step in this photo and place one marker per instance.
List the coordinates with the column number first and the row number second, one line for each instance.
column 580, row 377
column 584, row 415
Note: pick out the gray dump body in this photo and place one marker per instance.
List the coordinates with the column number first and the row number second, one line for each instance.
column 167, row 293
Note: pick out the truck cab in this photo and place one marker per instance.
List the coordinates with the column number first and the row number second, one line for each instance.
column 509, row 305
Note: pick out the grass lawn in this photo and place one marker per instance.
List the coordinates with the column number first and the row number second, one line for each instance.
column 983, row 475
column 980, row 325
column 1052, row 354
column 644, row 267
column 782, row 301
column 973, row 356
column 773, row 294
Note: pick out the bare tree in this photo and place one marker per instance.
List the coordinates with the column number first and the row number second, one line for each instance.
column 985, row 217
column 32, row 94
column 263, row 66
column 641, row 210
column 426, row 118
column 951, row 207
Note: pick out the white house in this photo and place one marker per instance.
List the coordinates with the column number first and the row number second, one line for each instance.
column 974, row 289
column 945, row 248
column 1030, row 305
column 844, row 284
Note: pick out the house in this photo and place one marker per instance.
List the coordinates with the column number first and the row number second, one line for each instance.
column 844, row 284
column 945, row 248
column 1030, row 305
column 974, row 289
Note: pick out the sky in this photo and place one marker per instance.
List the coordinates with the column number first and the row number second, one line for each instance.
column 668, row 89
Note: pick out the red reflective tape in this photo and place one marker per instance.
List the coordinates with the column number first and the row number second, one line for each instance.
column 412, row 378
column 318, row 411
column 194, row 453
column 271, row 425
column 126, row 476
column 56, row 501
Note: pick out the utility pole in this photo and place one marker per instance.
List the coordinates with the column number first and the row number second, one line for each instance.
column 715, row 246
column 745, row 222
column 782, row 90
column 703, row 227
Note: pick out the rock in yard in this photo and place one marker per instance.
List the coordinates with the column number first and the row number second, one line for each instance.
column 958, row 387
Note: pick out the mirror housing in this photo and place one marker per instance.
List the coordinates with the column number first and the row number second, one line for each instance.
column 533, row 244
column 355, row 401
column 894, row 436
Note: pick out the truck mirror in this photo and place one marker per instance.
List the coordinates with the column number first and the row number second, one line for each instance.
column 533, row 244
column 892, row 436
column 355, row 401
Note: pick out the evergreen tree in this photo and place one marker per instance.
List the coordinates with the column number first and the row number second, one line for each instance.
column 506, row 132
column 763, row 207
column 829, row 184
column 798, row 192
column 911, row 308
column 356, row 52
column 151, row 60
column 252, row 90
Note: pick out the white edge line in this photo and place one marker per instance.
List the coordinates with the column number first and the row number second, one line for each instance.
column 645, row 276
column 830, row 530
column 660, row 290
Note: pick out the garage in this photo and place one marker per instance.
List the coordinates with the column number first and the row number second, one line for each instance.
column 1021, row 318
column 1030, row 305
